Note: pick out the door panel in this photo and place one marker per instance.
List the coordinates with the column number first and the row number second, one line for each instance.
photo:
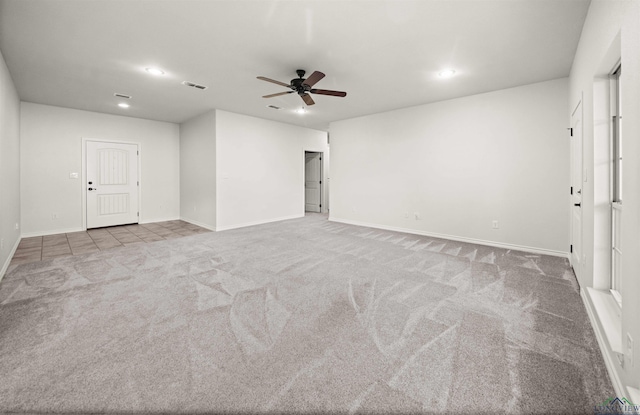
column 113, row 204
column 312, row 183
column 113, row 166
column 578, row 176
column 112, row 183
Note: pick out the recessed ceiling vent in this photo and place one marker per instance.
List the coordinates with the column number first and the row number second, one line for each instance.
column 194, row 85
column 274, row 107
column 122, row 96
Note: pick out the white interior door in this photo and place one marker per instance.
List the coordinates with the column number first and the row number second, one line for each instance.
column 312, row 181
column 112, row 183
column 578, row 177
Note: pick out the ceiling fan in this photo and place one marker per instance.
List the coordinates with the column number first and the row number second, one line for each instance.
column 303, row 87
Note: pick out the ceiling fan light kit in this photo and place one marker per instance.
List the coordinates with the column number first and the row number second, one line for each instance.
column 303, row 87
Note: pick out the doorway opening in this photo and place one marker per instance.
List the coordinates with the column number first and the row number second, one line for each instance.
column 313, row 186
column 616, row 183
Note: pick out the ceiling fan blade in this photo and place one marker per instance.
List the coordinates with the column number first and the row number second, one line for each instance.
column 307, row 99
column 328, row 92
column 262, row 78
column 277, row 94
column 313, row 79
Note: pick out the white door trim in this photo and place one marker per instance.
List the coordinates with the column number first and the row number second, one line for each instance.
column 323, row 173
column 582, row 177
column 319, row 170
column 83, row 182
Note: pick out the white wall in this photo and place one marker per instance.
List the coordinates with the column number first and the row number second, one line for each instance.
column 607, row 23
column 198, row 170
column 51, row 148
column 459, row 165
column 9, row 166
column 260, row 169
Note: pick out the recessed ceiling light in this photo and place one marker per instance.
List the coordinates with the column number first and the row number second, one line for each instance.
column 301, row 110
column 155, row 71
column 447, row 73
column 123, row 105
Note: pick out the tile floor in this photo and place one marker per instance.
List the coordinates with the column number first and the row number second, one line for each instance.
column 39, row 248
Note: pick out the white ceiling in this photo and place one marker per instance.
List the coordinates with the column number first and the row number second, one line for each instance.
column 385, row 54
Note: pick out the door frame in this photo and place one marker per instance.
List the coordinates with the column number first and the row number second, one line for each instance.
column 321, row 179
column 323, row 198
column 83, row 175
column 582, row 175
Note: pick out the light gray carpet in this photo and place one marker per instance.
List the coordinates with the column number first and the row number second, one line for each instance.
column 298, row 316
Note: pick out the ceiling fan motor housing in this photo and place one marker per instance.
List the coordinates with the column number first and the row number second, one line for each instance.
column 298, row 86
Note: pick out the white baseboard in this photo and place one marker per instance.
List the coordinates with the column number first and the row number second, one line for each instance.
column 52, row 232
column 541, row 251
column 244, row 225
column 154, row 220
column 609, row 360
column 200, row 224
column 5, row 266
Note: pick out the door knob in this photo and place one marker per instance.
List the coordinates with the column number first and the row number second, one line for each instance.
column 577, row 204
column 92, row 188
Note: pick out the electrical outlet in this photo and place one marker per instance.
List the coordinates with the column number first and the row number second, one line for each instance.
column 630, row 349
column 494, row 224
column 54, row 216
column 17, row 226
